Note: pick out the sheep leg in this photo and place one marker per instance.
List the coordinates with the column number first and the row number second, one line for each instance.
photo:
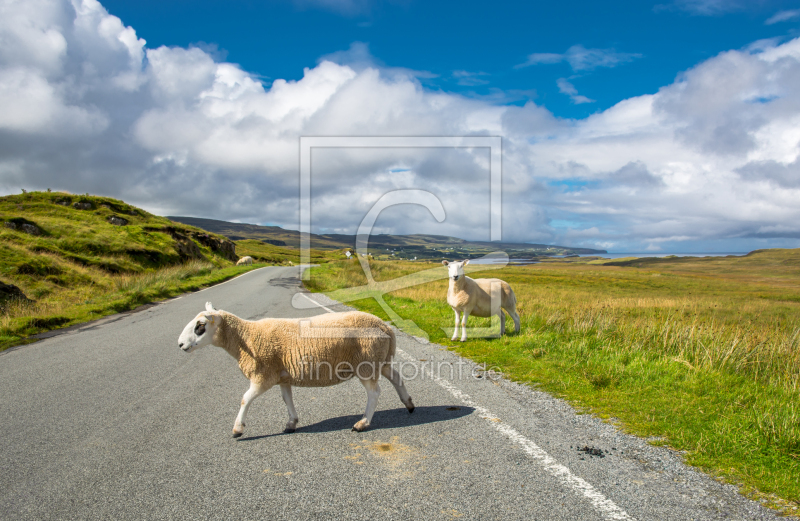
column 286, row 392
column 464, row 326
column 256, row 390
column 515, row 316
column 502, row 323
column 373, row 391
column 455, row 328
column 392, row 375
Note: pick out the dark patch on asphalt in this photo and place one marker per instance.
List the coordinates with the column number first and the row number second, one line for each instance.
column 285, row 282
column 592, row 451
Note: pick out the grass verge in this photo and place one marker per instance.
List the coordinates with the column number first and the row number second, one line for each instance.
column 107, row 295
column 703, row 355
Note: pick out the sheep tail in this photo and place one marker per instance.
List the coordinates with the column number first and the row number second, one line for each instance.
column 512, row 299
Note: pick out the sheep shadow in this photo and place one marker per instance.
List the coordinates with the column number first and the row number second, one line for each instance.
column 386, row 419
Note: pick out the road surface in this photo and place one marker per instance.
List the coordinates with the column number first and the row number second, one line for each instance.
column 113, row 421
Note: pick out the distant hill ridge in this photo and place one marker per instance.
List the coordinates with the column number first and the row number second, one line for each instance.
column 416, row 243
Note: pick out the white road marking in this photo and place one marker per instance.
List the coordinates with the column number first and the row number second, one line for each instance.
column 605, row 506
column 317, row 303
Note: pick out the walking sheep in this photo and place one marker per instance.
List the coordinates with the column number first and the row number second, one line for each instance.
column 247, row 260
column 474, row 297
column 305, row 352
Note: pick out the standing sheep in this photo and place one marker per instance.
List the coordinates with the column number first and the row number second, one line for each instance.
column 305, row 352
column 247, row 260
column 474, row 297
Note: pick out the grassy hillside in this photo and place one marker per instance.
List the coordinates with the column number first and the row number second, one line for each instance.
column 702, row 354
column 72, row 258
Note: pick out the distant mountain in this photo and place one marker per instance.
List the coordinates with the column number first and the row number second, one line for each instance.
column 402, row 246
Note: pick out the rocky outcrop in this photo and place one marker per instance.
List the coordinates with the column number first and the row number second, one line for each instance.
column 117, row 221
column 187, row 248
column 222, row 247
column 82, row 205
column 23, row 226
column 11, row 292
column 118, row 208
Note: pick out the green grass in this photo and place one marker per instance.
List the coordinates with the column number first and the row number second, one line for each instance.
column 263, row 252
column 78, row 266
column 702, row 353
column 105, row 296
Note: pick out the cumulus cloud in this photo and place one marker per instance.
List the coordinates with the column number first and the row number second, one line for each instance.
column 771, row 171
column 581, row 58
column 709, row 159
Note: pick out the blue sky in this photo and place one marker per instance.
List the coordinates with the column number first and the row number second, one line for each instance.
column 474, row 48
column 628, row 126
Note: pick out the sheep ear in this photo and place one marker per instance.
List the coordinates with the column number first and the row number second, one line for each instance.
column 445, row 263
column 209, row 307
column 466, row 262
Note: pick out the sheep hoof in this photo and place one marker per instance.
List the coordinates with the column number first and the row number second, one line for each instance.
column 237, row 434
column 410, row 406
column 361, row 426
column 289, row 430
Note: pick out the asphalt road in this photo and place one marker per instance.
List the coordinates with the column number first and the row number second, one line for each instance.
column 113, row 421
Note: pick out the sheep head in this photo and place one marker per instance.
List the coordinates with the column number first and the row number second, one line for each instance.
column 455, row 269
column 201, row 330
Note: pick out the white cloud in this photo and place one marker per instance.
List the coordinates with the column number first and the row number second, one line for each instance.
column 359, row 58
column 349, row 8
column 470, row 79
column 344, row 7
column 704, row 7
column 565, row 87
column 84, row 106
column 782, row 16
column 581, row 58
